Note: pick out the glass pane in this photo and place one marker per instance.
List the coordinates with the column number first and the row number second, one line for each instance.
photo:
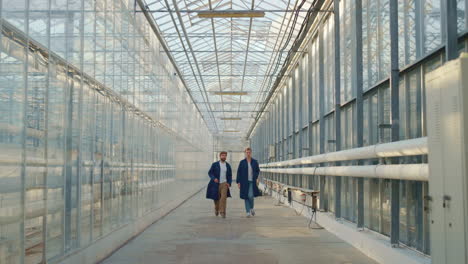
column 461, row 15
column 12, row 107
column 407, row 32
column 432, row 25
column 56, row 159
column 346, row 47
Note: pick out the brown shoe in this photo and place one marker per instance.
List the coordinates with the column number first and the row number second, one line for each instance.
column 216, row 213
column 223, row 215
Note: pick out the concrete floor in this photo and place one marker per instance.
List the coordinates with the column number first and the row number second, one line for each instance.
column 192, row 234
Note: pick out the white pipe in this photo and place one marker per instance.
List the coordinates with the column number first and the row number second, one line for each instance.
column 414, row 172
column 410, row 147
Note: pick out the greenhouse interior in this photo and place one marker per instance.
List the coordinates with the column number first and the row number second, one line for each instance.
column 344, row 119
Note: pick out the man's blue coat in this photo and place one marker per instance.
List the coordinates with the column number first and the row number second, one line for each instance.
column 243, row 178
column 212, row 192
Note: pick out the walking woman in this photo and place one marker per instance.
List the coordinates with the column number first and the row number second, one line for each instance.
column 247, row 181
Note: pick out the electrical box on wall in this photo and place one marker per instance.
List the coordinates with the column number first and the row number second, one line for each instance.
column 447, row 126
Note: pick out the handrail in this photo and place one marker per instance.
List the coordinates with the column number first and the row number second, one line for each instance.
column 410, row 147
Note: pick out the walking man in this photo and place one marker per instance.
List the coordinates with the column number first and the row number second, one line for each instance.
column 220, row 180
column 247, row 181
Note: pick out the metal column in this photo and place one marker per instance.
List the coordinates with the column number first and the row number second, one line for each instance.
column 283, row 129
column 450, row 28
column 395, row 113
column 322, row 114
column 301, row 114
column 294, row 120
column 309, row 108
column 278, row 134
column 336, row 6
column 358, row 83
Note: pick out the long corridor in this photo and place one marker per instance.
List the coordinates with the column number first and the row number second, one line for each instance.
column 112, row 111
column 192, row 234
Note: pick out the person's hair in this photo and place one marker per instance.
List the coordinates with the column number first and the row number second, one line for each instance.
column 222, row 152
column 248, row 149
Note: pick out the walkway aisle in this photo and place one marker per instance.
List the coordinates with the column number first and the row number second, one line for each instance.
column 192, row 234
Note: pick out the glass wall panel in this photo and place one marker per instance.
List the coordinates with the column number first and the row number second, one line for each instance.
column 290, row 106
column 385, row 206
column 432, row 25
column 330, row 141
column 56, row 122
column 314, row 78
column 329, row 64
column 305, row 91
column 409, row 28
column 305, row 142
column 374, row 204
column 89, row 111
column 376, row 41
column 384, row 112
column 420, row 34
column 348, row 123
column 347, row 45
column 12, row 109
column 404, row 212
column 348, row 198
column 331, row 193
column 87, row 155
column 295, row 100
column 14, row 13
column 35, row 151
column 315, row 138
column 461, row 15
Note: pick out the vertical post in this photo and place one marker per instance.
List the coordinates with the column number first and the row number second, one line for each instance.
column 266, row 138
column 261, row 139
column 68, row 171
column 395, row 113
column 419, row 24
column 336, row 6
column 288, row 127
column 287, row 120
column 293, row 127
column 300, row 105
column 271, row 132
column 25, row 65
column 310, row 107
column 278, row 134
column 266, row 146
column 301, row 114
column 322, row 113
column 46, row 143
column 293, row 110
column 450, row 28
column 321, row 93
column 359, row 103
column 283, row 129
column 406, row 33
column 79, row 167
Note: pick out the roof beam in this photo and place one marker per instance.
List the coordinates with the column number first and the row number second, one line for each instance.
column 181, row 22
column 237, row 11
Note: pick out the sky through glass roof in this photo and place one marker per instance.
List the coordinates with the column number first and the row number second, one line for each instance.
column 229, row 64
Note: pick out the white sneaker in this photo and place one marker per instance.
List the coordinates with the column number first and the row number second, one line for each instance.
column 252, row 212
column 248, row 215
